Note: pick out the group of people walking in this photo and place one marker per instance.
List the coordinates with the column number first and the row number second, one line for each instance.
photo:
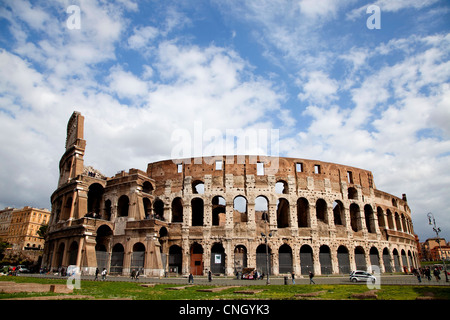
column 103, row 273
column 426, row 273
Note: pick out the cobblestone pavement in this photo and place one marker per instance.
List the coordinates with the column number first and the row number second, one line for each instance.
column 231, row 281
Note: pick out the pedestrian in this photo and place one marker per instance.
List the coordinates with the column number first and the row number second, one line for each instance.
column 137, row 275
column 191, row 278
column 209, row 276
column 104, row 274
column 417, row 274
column 437, row 273
column 311, row 276
column 428, row 273
column 293, row 277
column 96, row 274
column 133, row 274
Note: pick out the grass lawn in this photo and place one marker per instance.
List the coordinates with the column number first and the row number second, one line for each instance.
column 132, row 290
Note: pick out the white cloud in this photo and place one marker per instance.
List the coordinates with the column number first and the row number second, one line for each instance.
column 318, row 88
column 126, row 84
column 142, row 36
column 315, row 9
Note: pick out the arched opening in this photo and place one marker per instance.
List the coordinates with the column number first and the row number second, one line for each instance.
column 355, row 217
column 107, row 215
column 380, row 217
column 262, row 259
column 95, row 195
column 404, row 261
column 198, row 187
column 218, row 211
column 352, row 194
column 67, row 209
column 397, row 265
column 163, row 232
column 197, row 211
column 306, row 259
column 387, row 260
column 240, row 209
column 196, row 259
column 73, row 253
column 147, row 187
column 390, row 219
column 60, row 255
column 282, row 213
column 338, row 213
column 177, row 210
column 325, row 260
column 398, row 224
column 404, row 225
column 370, row 221
column 122, row 206
column 303, row 213
column 374, row 257
column 158, row 209
column 281, row 187
column 147, row 208
column 117, row 259
column 261, row 209
column 285, row 259
column 138, row 257
column 321, row 211
column 360, row 258
column 240, row 258
column 410, row 259
column 343, row 260
column 175, row 259
column 217, row 259
column 102, row 240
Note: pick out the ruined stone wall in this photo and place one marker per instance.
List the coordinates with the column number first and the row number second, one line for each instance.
column 217, row 213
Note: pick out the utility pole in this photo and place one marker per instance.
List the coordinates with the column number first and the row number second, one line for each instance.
column 438, row 230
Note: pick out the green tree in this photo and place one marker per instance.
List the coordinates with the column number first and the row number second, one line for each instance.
column 42, row 232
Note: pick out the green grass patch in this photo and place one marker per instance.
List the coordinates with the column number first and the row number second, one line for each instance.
column 133, row 290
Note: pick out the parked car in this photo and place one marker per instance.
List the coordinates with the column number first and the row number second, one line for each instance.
column 22, row 269
column 360, row 275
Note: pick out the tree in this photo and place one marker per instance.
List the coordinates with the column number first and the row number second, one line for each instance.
column 42, row 232
column 3, row 247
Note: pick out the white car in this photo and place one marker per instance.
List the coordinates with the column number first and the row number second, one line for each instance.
column 360, row 275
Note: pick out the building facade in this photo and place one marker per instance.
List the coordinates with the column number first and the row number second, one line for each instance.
column 432, row 252
column 217, row 213
column 19, row 227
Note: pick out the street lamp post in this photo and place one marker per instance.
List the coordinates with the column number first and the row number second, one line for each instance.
column 265, row 236
column 438, row 230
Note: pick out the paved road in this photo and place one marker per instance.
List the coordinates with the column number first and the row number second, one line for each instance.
column 229, row 281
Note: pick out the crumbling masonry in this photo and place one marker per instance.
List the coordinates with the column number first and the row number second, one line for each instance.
column 195, row 215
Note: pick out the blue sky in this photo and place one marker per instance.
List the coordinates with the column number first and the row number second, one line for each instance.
column 142, row 72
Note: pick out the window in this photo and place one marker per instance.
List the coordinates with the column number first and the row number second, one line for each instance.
column 218, row 164
column 299, row 167
column 260, row 169
column 317, row 168
column 349, row 177
column 179, row 167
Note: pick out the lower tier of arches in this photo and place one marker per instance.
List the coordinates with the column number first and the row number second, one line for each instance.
column 155, row 257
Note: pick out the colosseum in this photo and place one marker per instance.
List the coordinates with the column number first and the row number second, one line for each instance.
column 224, row 214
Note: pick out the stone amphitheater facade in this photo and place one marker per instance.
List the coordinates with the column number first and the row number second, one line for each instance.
column 225, row 214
